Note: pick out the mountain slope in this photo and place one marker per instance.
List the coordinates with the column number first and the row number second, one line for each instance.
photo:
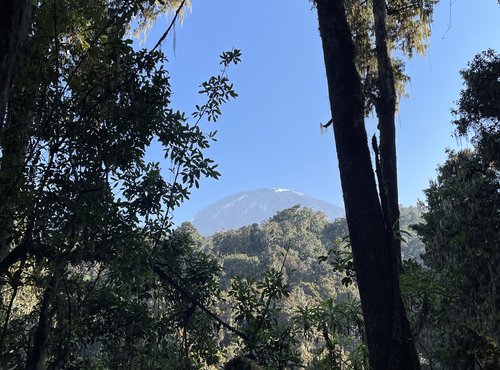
column 255, row 206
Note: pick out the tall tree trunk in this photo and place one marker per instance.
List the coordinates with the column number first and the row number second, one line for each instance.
column 14, row 20
column 15, row 16
column 376, row 269
column 13, row 146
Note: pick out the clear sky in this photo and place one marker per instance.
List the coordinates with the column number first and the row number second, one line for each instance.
column 270, row 136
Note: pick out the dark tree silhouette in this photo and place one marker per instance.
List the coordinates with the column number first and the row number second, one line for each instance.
column 370, row 218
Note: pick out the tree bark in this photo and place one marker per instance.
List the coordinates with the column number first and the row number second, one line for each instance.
column 37, row 356
column 386, row 109
column 14, row 20
column 376, row 269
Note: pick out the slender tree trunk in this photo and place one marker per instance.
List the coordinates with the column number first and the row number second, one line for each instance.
column 37, row 356
column 386, row 109
column 373, row 253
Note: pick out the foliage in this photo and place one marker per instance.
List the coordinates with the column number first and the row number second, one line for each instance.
column 461, row 240
column 478, row 109
column 408, row 25
column 412, row 246
column 340, row 258
column 455, row 302
column 84, row 218
column 340, row 325
column 248, row 240
column 257, row 308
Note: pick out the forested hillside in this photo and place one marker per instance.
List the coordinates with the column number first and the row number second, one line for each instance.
column 297, row 238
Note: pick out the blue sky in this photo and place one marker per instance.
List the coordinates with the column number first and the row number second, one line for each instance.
column 269, row 136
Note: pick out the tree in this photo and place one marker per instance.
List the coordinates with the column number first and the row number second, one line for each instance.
column 478, row 109
column 460, row 231
column 461, row 240
column 372, row 216
column 85, row 222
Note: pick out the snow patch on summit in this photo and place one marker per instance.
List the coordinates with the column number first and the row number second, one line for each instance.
column 279, row 190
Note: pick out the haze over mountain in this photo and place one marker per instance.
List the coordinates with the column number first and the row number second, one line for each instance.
column 255, row 206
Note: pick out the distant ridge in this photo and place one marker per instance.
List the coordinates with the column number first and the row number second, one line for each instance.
column 255, row 206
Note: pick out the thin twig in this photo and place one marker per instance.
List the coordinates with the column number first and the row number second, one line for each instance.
column 449, row 23
column 165, row 34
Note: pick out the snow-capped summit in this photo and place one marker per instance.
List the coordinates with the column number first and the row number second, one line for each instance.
column 255, row 206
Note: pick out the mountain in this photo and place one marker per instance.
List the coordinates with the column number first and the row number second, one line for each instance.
column 255, row 206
